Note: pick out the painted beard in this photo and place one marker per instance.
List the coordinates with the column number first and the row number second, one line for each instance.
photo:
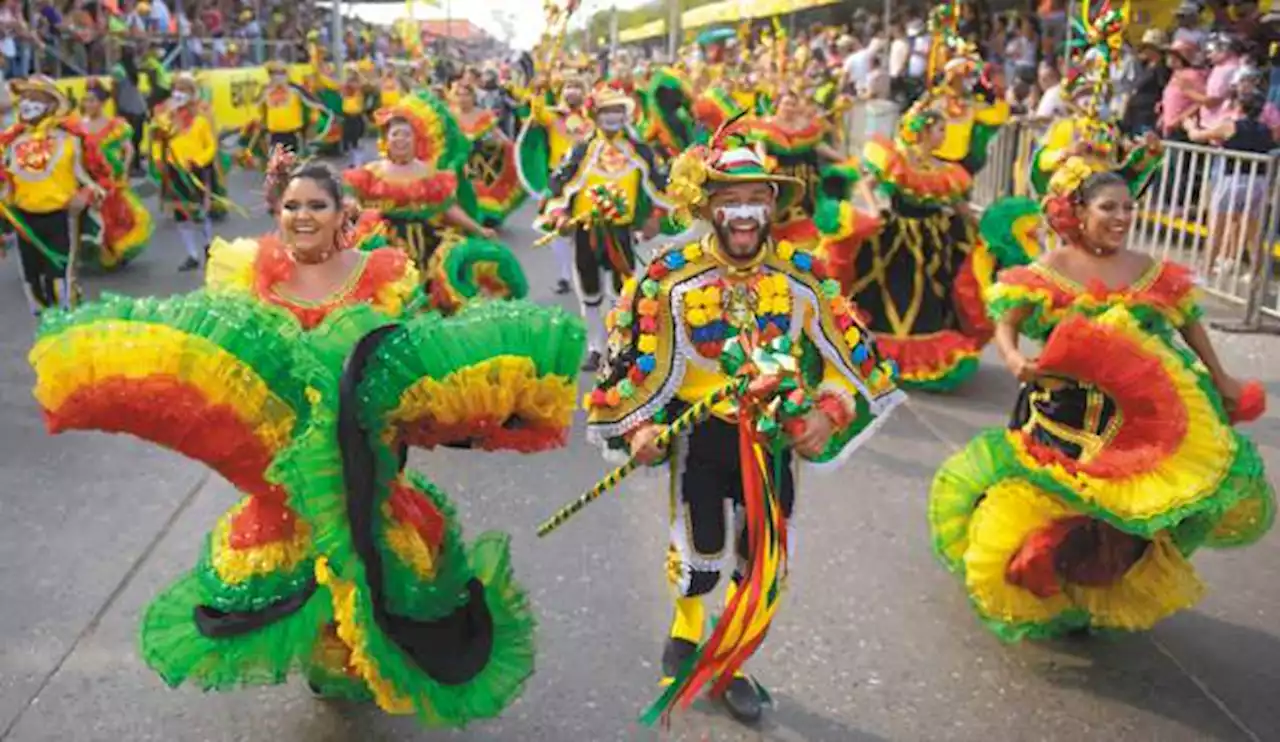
column 743, row 230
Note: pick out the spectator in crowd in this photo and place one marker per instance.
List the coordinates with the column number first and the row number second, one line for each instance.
column 1215, row 102
column 1052, row 103
column 1239, row 186
column 1184, row 91
column 1250, row 82
column 1152, row 75
column 1187, row 19
column 921, row 42
column 876, row 85
column 1023, row 96
column 16, row 39
column 1020, row 49
column 130, row 104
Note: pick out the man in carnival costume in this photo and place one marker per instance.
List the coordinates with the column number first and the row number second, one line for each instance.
column 286, row 112
column 50, row 180
column 733, row 310
column 185, row 150
column 548, row 134
column 606, row 188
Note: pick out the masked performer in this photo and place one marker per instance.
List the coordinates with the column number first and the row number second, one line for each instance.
column 184, row 149
column 52, row 179
column 734, row 310
column 126, row 223
column 972, row 108
column 607, row 187
column 1120, row 459
column 301, row 375
column 491, row 166
column 415, row 187
column 288, row 116
column 549, row 133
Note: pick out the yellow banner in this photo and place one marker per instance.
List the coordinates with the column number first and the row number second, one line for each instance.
column 231, row 93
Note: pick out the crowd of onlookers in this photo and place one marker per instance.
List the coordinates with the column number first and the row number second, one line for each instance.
column 76, row 37
column 1198, row 80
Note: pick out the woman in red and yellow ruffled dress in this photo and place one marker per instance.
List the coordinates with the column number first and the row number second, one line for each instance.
column 127, row 224
column 491, row 166
column 1120, row 459
column 301, row 375
column 907, row 271
column 795, row 138
column 415, row 186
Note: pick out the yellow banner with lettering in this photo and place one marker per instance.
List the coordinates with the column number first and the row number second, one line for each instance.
column 231, row 93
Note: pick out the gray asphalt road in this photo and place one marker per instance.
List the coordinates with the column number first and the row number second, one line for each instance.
column 874, row 640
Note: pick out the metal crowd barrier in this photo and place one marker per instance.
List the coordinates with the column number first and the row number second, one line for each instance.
column 1216, row 211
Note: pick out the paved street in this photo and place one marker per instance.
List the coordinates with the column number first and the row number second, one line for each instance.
column 874, row 640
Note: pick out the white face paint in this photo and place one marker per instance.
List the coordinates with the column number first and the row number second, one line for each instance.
column 758, row 213
column 31, row 110
column 612, row 121
column 180, row 98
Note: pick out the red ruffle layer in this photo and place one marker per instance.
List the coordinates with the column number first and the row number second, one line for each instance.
column 434, row 190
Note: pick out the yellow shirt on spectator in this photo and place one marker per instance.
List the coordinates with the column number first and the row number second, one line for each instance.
column 45, row 168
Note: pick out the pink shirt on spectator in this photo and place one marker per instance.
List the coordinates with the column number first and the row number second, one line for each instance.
column 1219, row 86
column 1174, row 102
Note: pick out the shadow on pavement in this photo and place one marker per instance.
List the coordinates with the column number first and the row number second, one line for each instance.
column 1166, row 671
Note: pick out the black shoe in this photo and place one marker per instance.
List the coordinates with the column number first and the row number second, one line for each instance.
column 743, row 701
column 562, row 287
column 314, row 690
column 189, row 264
column 675, row 654
column 592, row 364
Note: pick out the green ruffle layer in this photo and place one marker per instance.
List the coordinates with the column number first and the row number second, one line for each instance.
column 171, row 644
column 471, row 251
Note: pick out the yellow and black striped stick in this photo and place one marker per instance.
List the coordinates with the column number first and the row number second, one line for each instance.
column 689, row 418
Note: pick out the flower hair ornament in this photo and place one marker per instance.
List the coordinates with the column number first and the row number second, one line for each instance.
column 1064, row 196
column 916, row 121
column 279, row 167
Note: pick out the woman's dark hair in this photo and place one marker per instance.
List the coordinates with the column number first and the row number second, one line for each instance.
column 284, row 168
column 1096, row 183
column 1252, row 103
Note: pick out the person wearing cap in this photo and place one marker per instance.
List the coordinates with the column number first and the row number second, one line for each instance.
column 682, row 330
column 184, row 147
column 286, row 116
column 354, row 103
column 549, row 133
column 1142, row 112
column 607, row 187
column 1215, row 102
column 1187, row 17
column 52, row 179
column 1185, row 87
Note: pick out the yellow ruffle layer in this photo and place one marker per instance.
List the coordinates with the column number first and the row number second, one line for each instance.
column 79, row 357
column 1160, row 584
column 498, row 389
column 353, row 635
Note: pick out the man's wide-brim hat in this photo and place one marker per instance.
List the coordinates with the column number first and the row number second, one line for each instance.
column 700, row 171
column 608, row 96
column 41, row 86
column 745, row 165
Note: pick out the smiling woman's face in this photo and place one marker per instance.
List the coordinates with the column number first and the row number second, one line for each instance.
column 309, row 220
column 1106, row 218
